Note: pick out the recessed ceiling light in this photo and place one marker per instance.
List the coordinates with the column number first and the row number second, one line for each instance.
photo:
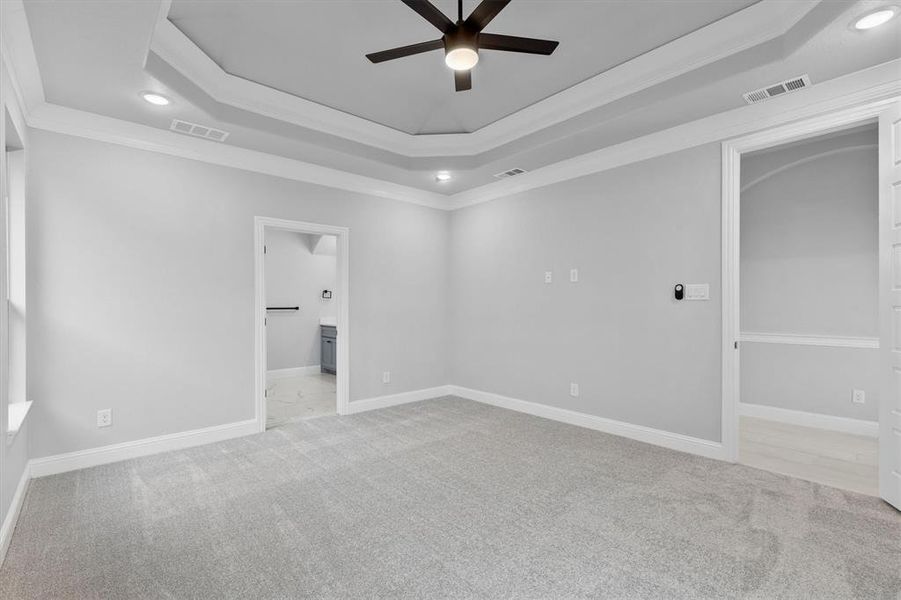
column 442, row 177
column 154, row 98
column 875, row 18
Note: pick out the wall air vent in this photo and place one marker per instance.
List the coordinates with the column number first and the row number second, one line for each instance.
column 777, row 89
column 510, row 173
column 208, row 133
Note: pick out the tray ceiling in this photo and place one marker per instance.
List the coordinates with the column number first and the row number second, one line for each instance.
column 315, row 51
column 94, row 57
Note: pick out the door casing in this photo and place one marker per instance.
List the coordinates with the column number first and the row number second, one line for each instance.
column 342, row 289
column 731, row 238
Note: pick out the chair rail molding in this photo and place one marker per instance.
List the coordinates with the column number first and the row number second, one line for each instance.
column 809, row 340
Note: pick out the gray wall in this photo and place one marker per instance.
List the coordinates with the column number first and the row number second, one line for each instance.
column 141, row 290
column 295, row 276
column 808, row 239
column 809, row 266
column 811, row 378
column 633, row 232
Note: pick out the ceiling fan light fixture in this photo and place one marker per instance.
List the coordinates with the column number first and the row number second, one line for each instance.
column 462, row 40
column 462, row 58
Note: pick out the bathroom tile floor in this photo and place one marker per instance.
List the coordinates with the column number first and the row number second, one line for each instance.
column 302, row 397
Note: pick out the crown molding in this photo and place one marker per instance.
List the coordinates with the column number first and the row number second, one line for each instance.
column 879, row 84
column 861, row 89
column 17, row 49
column 23, row 75
column 69, row 121
column 754, row 25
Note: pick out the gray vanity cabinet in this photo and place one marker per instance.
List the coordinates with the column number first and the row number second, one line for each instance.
column 329, row 341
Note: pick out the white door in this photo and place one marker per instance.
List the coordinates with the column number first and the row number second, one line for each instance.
column 890, row 304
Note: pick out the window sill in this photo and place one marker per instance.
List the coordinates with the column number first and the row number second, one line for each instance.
column 17, row 411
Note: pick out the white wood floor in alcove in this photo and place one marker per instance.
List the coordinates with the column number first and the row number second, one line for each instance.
column 302, row 397
column 841, row 460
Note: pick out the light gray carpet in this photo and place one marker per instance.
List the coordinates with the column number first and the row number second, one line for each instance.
column 445, row 499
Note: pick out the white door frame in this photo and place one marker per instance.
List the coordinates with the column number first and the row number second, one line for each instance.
column 731, row 232
column 342, row 289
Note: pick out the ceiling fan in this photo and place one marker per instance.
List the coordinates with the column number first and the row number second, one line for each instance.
column 463, row 40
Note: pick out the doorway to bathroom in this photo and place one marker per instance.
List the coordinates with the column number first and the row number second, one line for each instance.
column 301, row 317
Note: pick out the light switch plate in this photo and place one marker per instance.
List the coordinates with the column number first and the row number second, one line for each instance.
column 697, row 291
column 574, row 275
column 386, row 377
column 574, row 390
column 548, row 276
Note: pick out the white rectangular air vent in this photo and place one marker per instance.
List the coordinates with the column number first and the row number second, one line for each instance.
column 777, row 89
column 510, row 173
column 217, row 135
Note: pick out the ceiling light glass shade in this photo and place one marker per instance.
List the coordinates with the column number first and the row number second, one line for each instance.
column 442, row 176
column 461, row 59
column 875, row 18
column 155, row 99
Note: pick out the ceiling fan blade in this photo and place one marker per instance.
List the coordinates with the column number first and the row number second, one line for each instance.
column 510, row 43
column 463, row 80
column 484, row 12
column 403, row 51
column 431, row 14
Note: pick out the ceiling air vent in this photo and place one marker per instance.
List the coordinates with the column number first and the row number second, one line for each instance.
column 777, row 89
column 179, row 126
column 510, row 173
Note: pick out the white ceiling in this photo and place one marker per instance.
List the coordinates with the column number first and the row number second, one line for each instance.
column 316, row 50
column 94, row 56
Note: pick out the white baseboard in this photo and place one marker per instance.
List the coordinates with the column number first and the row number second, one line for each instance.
column 72, row 461
column 12, row 515
column 359, row 406
column 292, row 372
column 808, row 419
column 658, row 437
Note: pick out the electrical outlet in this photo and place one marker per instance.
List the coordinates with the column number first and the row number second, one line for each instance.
column 858, row 397
column 386, row 377
column 548, row 276
column 574, row 275
column 574, row 390
column 105, row 417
